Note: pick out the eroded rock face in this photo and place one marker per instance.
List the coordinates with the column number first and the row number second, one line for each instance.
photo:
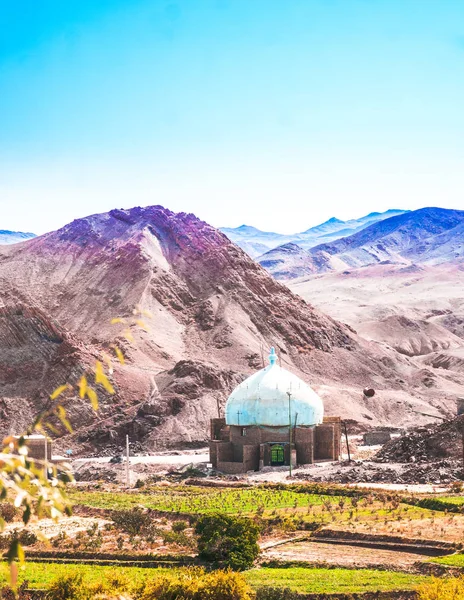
column 215, row 315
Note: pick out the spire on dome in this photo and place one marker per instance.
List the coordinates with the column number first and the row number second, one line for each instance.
column 273, row 356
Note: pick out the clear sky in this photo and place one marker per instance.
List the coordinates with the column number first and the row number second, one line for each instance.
column 273, row 113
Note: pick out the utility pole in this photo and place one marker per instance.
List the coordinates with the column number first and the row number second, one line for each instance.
column 289, row 394
column 127, row 462
column 347, row 443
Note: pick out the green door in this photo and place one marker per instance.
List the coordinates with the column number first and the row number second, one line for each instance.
column 277, row 456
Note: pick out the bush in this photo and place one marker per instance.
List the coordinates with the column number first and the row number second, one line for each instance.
column 276, row 593
column 8, row 512
column 442, row 589
column 23, row 536
column 195, row 584
column 228, row 541
column 178, row 538
column 72, row 587
column 179, row 526
column 67, row 587
column 133, row 522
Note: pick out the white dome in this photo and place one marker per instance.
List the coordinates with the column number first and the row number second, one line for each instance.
column 263, row 399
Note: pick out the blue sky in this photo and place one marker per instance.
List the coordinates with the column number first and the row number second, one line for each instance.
column 274, row 113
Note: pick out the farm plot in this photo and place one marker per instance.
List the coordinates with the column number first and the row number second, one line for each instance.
column 263, row 502
column 41, row 575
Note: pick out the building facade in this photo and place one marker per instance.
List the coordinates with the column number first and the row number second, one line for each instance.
column 271, row 419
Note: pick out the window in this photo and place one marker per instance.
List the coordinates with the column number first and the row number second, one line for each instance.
column 243, row 431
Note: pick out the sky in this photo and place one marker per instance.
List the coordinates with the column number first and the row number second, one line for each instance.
column 273, row 113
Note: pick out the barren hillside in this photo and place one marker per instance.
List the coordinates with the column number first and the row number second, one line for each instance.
column 215, row 314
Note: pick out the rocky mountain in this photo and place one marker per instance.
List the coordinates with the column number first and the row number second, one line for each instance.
column 13, row 237
column 256, row 242
column 425, row 236
column 215, row 312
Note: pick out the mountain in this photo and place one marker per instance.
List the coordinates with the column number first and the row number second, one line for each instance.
column 424, row 236
column 13, row 237
column 215, row 314
column 416, row 310
column 256, row 242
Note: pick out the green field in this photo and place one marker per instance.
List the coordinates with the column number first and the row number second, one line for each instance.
column 333, row 581
column 41, row 575
column 453, row 560
column 452, row 499
column 265, row 502
column 203, row 500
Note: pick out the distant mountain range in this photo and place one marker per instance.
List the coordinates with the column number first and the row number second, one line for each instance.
column 13, row 237
column 429, row 236
column 256, row 242
column 215, row 312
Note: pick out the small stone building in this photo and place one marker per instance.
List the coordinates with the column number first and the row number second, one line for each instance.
column 272, row 418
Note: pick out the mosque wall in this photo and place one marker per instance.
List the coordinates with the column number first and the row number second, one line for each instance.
column 325, row 442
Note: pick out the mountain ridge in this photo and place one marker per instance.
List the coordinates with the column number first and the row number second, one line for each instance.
column 255, row 242
column 426, row 235
column 215, row 314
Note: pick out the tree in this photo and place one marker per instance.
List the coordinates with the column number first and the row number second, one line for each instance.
column 228, row 541
column 22, row 479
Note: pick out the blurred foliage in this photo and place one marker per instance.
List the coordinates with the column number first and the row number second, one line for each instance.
column 33, row 486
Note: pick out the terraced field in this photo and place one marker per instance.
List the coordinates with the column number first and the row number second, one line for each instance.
column 41, row 575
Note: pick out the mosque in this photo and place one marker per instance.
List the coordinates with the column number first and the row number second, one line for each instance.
column 272, row 418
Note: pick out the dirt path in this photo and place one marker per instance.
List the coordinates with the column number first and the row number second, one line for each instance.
column 343, row 555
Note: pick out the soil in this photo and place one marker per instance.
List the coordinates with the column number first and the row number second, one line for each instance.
column 342, row 555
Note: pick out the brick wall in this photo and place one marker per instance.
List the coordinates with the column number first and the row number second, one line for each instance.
column 231, row 467
column 324, row 446
column 215, row 428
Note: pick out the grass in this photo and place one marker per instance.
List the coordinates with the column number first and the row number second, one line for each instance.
column 335, row 581
column 452, row 499
column 41, row 575
column 268, row 503
column 202, row 500
column 453, row 560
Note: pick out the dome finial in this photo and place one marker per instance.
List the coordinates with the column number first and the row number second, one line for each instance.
column 273, row 356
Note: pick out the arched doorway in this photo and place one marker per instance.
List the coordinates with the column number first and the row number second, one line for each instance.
column 277, row 455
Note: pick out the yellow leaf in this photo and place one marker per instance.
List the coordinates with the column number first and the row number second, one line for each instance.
column 58, row 392
column 82, row 386
column 119, row 354
column 92, row 395
column 62, row 416
column 108, row 362
column 141, row 324
column 117, row 320
column 100, row 377
column 52, row 428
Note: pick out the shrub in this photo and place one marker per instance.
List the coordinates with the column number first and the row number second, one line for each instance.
column 72, row 587
column 228, row 541
column 179, row 526
column 276, row 593
column 195, row 584
column 442, row 589
column 178, row 538
column 67, row 587
column 8, row 512
column 133, row 522
column 24, row 537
